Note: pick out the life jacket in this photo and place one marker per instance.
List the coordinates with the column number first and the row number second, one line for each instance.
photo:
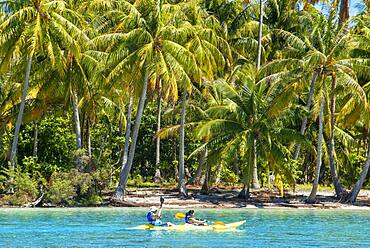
column 155, row 222
column 187, row 217
column 149, row 217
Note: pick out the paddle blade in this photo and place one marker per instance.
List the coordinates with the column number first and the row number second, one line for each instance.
column 180, row 215
column 219, row 223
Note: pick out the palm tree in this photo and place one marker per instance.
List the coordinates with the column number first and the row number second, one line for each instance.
column 352, row 196
column 36, row 28
column 157, row 177
column 362, row 38
column 326, row 54
column 243, row 113
column 148, row 49
column 344, row 11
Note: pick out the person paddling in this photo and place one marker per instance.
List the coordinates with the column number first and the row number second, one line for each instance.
column 190, row 219
column 154, row 215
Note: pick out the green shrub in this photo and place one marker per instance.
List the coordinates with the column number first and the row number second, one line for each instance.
column 228, row 176
column 68, row 187
column 61, row 190
column 92, row 200
column 25, row 187
column 102, row 178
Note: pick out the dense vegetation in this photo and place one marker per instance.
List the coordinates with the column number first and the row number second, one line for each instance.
column 100, row 93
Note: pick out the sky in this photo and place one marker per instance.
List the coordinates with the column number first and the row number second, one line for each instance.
column 354, row 7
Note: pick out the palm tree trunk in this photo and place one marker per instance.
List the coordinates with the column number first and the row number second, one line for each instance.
column 157, row 177
column 196, row 177
column 76, row 117
column 259, row 49
column 218, row 174
column 182, row 186
column 247, row 176
column 20, row 116
column 82, row 122
column 174, row 145
column 88, row 137
column 119, row 193
column 244, row 193
column 312, row 196
column 344, row 11
column 236, row 166
column 357, row 187
column 135, row 132
column 255, row 182
column 205, row 186
column 35, row 140
column 308, row 107
column 333, row 171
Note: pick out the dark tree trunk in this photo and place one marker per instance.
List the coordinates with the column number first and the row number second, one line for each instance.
column 333, row 171
column 312, row 196
column 247, row 176
column 205, row 186
column 244, row 193
column 344, row 11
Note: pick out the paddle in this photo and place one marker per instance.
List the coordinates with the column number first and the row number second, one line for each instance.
column 179, row 215
column 161, row 199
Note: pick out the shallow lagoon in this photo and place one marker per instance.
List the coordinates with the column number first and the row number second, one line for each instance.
column 107, row 227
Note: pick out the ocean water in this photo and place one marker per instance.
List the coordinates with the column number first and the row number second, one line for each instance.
column 108, row 227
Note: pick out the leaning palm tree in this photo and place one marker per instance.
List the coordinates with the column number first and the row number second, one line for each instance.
column 243, row 112
column 325, row 55
column 30, row 29
column 362, row 40
column 144, row 48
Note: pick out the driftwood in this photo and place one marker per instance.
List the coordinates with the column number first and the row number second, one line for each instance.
column 35, row 203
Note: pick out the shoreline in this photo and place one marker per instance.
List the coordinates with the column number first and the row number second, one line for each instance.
column 229, row 200
column 221, row 199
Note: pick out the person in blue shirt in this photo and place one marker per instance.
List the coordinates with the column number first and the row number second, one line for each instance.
column 154, row 215
column 190, row 219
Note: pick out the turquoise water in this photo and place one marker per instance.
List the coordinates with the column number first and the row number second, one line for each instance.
column 107, row 227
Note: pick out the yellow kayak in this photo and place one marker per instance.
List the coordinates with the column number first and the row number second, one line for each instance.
column 189, row 227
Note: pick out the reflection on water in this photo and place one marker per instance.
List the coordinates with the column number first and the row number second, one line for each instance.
column 102, row 227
